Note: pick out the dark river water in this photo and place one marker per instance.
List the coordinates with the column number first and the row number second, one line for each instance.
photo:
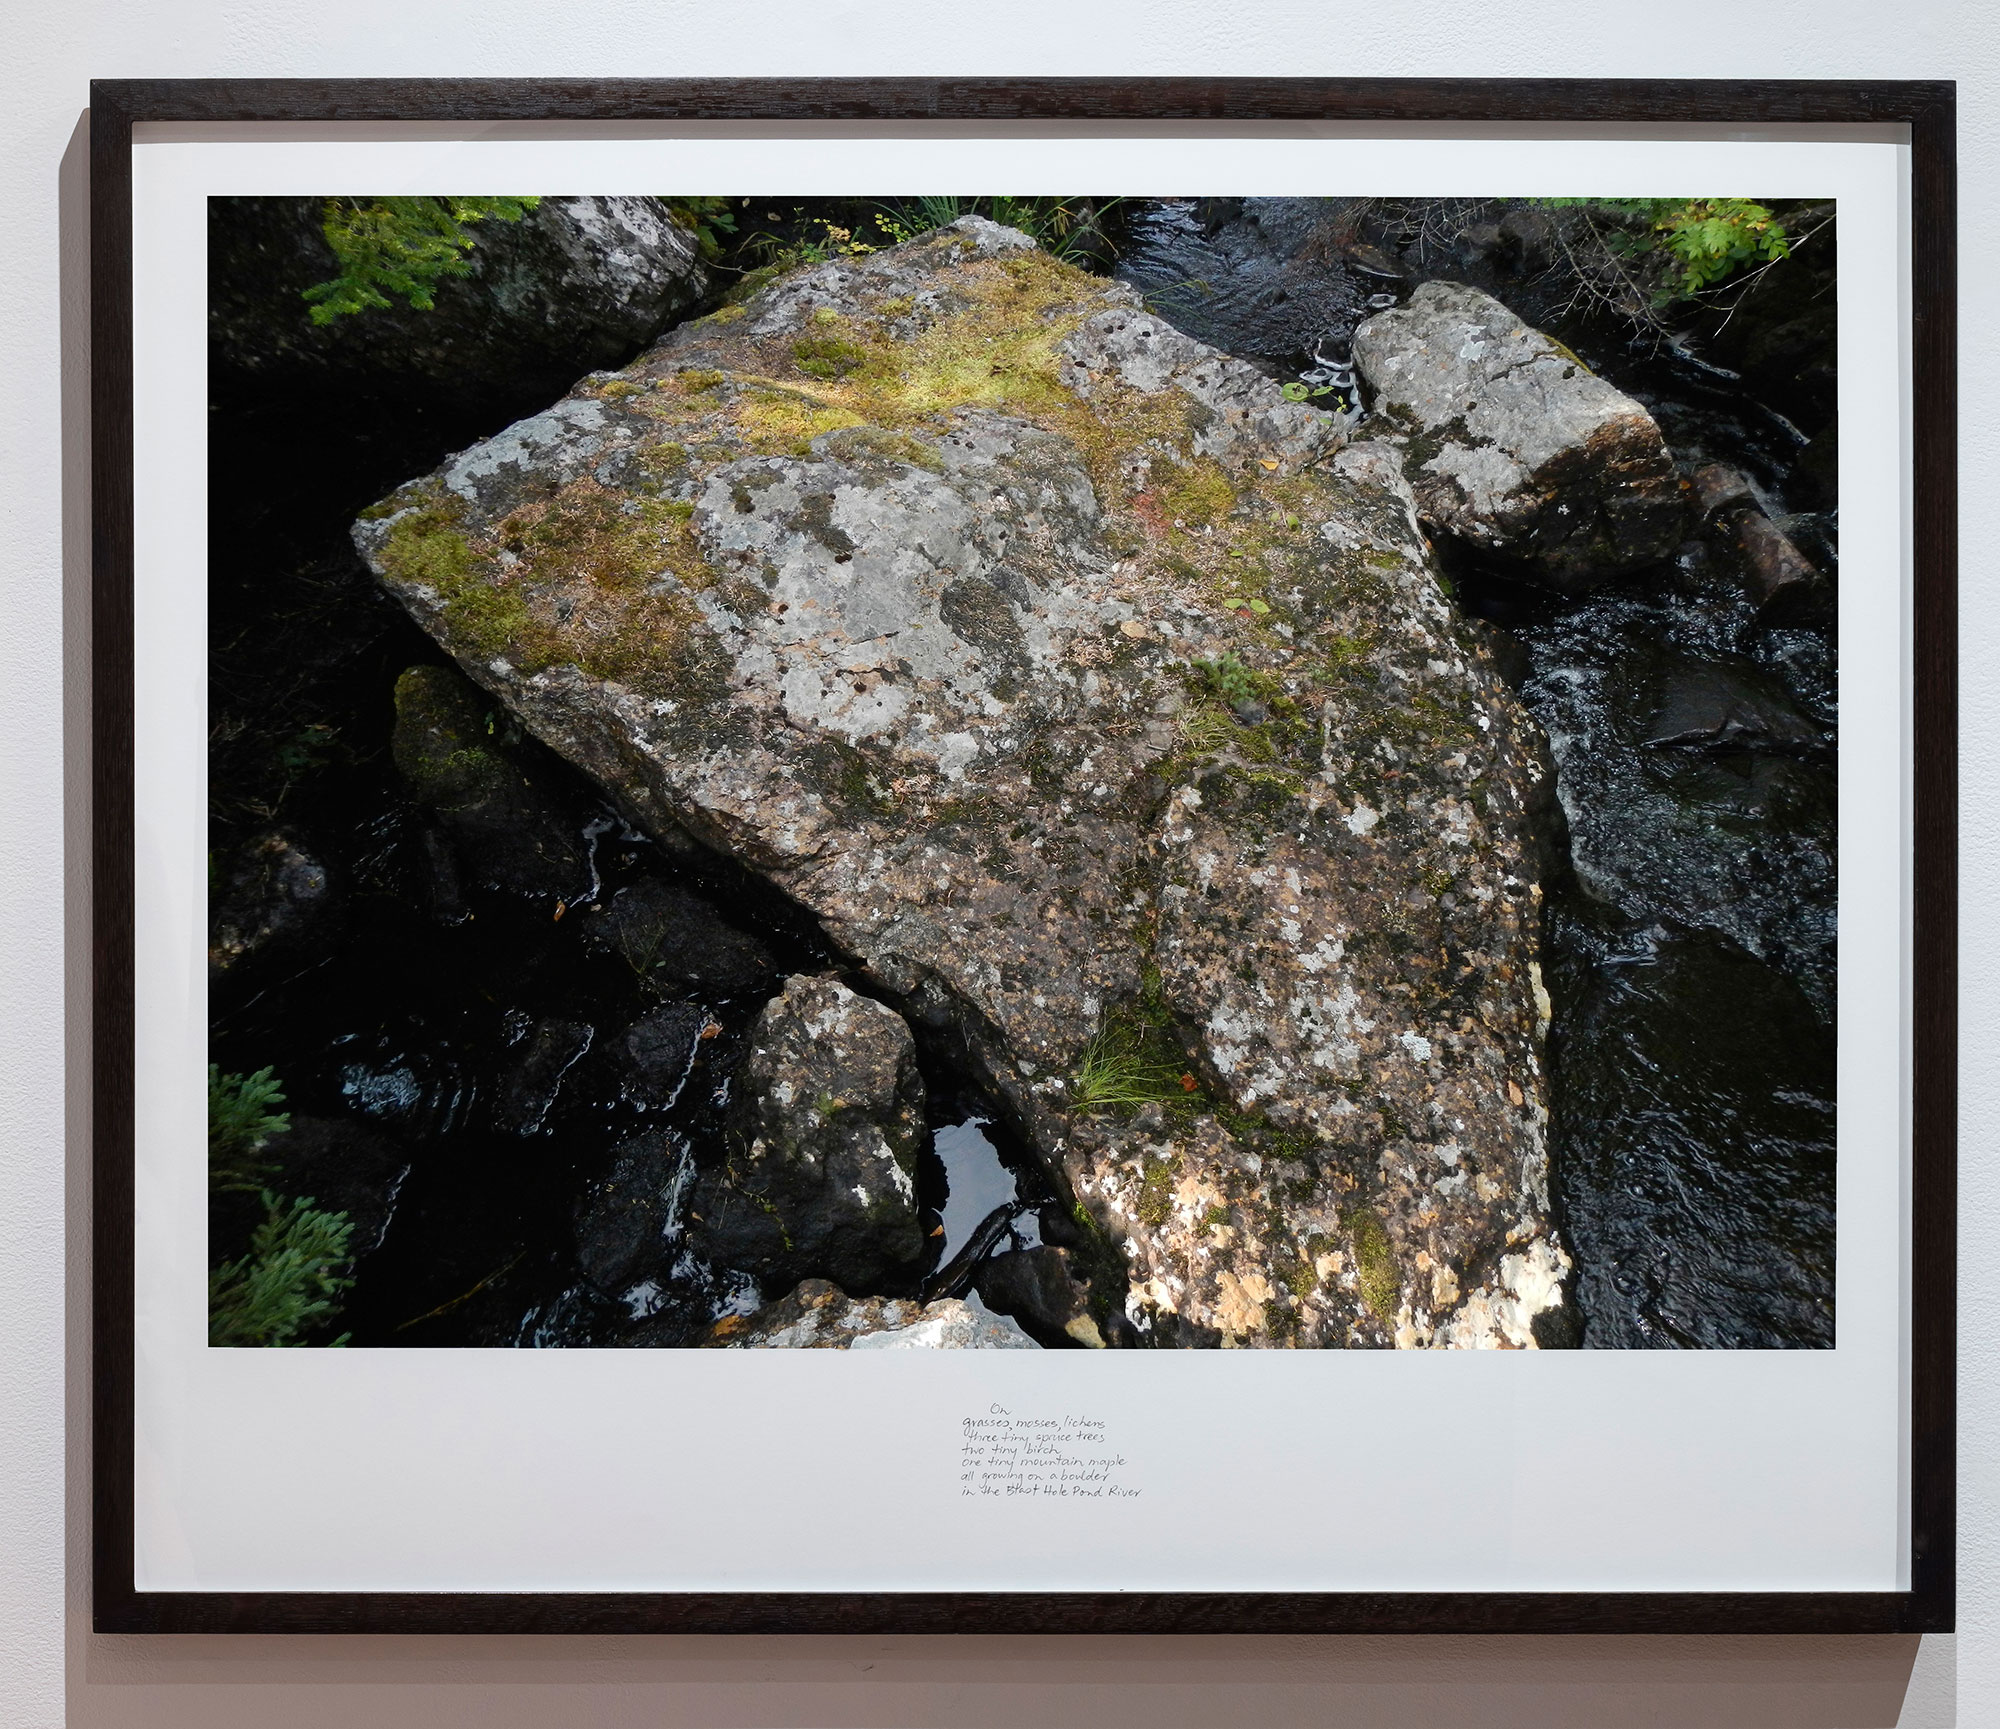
column 1689, row 939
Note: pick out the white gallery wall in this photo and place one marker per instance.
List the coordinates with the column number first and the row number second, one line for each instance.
column 53, row 1672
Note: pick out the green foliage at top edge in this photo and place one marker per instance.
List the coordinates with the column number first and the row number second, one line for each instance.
column 400, row 246
column 1703, row 241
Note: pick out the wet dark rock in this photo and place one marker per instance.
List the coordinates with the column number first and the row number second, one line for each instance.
column 1058, row 1228
column 1816, row 534
column 274, row 902
column 344, row 1167
column 820, row 1316
column 628, row 1220
column 1816, row 478
column 1532, row 233
column 575, row 284
column 1512, row 445
column 1715, row 490
column 507, row 831
column 671, row 937
column 751, row 641
column 655, row 1054
column 823, row 1144
column 443, row 891
column 1037, row 1288
column 540, row 1054
column 1781, row 579
column 1712, row 707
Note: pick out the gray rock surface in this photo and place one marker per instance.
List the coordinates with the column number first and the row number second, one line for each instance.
column 1108, row 714
column 823, row 1140
column 1511, row 444
column 819, row 1316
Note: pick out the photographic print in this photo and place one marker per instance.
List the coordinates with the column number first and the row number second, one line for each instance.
column 1065, row 773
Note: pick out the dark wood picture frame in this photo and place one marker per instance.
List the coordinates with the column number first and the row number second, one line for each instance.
column 1925, row 109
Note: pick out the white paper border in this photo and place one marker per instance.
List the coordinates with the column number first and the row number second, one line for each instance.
column 764, row 1471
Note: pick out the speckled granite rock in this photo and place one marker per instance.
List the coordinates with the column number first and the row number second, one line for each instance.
column 823, row 1145
column 1108, row 714
column 1513, row 445
column 820, row 1316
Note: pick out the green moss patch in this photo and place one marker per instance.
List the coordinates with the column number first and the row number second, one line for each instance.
column 1375, row 1262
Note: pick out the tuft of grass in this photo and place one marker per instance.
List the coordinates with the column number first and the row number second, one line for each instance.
column 1122, row 1065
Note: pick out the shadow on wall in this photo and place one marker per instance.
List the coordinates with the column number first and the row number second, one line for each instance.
column 1138, row 1683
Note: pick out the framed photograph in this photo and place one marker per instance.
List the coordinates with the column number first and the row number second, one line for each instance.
column 1057, row 856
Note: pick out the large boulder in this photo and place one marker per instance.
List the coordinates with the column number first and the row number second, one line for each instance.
column 820, row 1316
column 576, row 283
column 1515, row 447
column 1108, row 714
column 823, row 1141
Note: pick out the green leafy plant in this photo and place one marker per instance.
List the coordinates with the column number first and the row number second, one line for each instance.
column 289, row 1282
column 707, row 219
column 400, row 246
column 1692, row 244
column 241, row 1122
column 1228, row 678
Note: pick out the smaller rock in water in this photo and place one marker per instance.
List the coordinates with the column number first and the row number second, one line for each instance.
column 1780, row 578
column 343, row 1167
column 673, row 937
column 820, row 1316
column 823, row 1144
column 443, row 892
column 275, row 901
column 656, row 1052
column 1037, row 1288
column 1718, row 491
column 627, row 1220
column 507, row 832
column 1513, row 445
column 1710, row 706
column 543, row 1053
